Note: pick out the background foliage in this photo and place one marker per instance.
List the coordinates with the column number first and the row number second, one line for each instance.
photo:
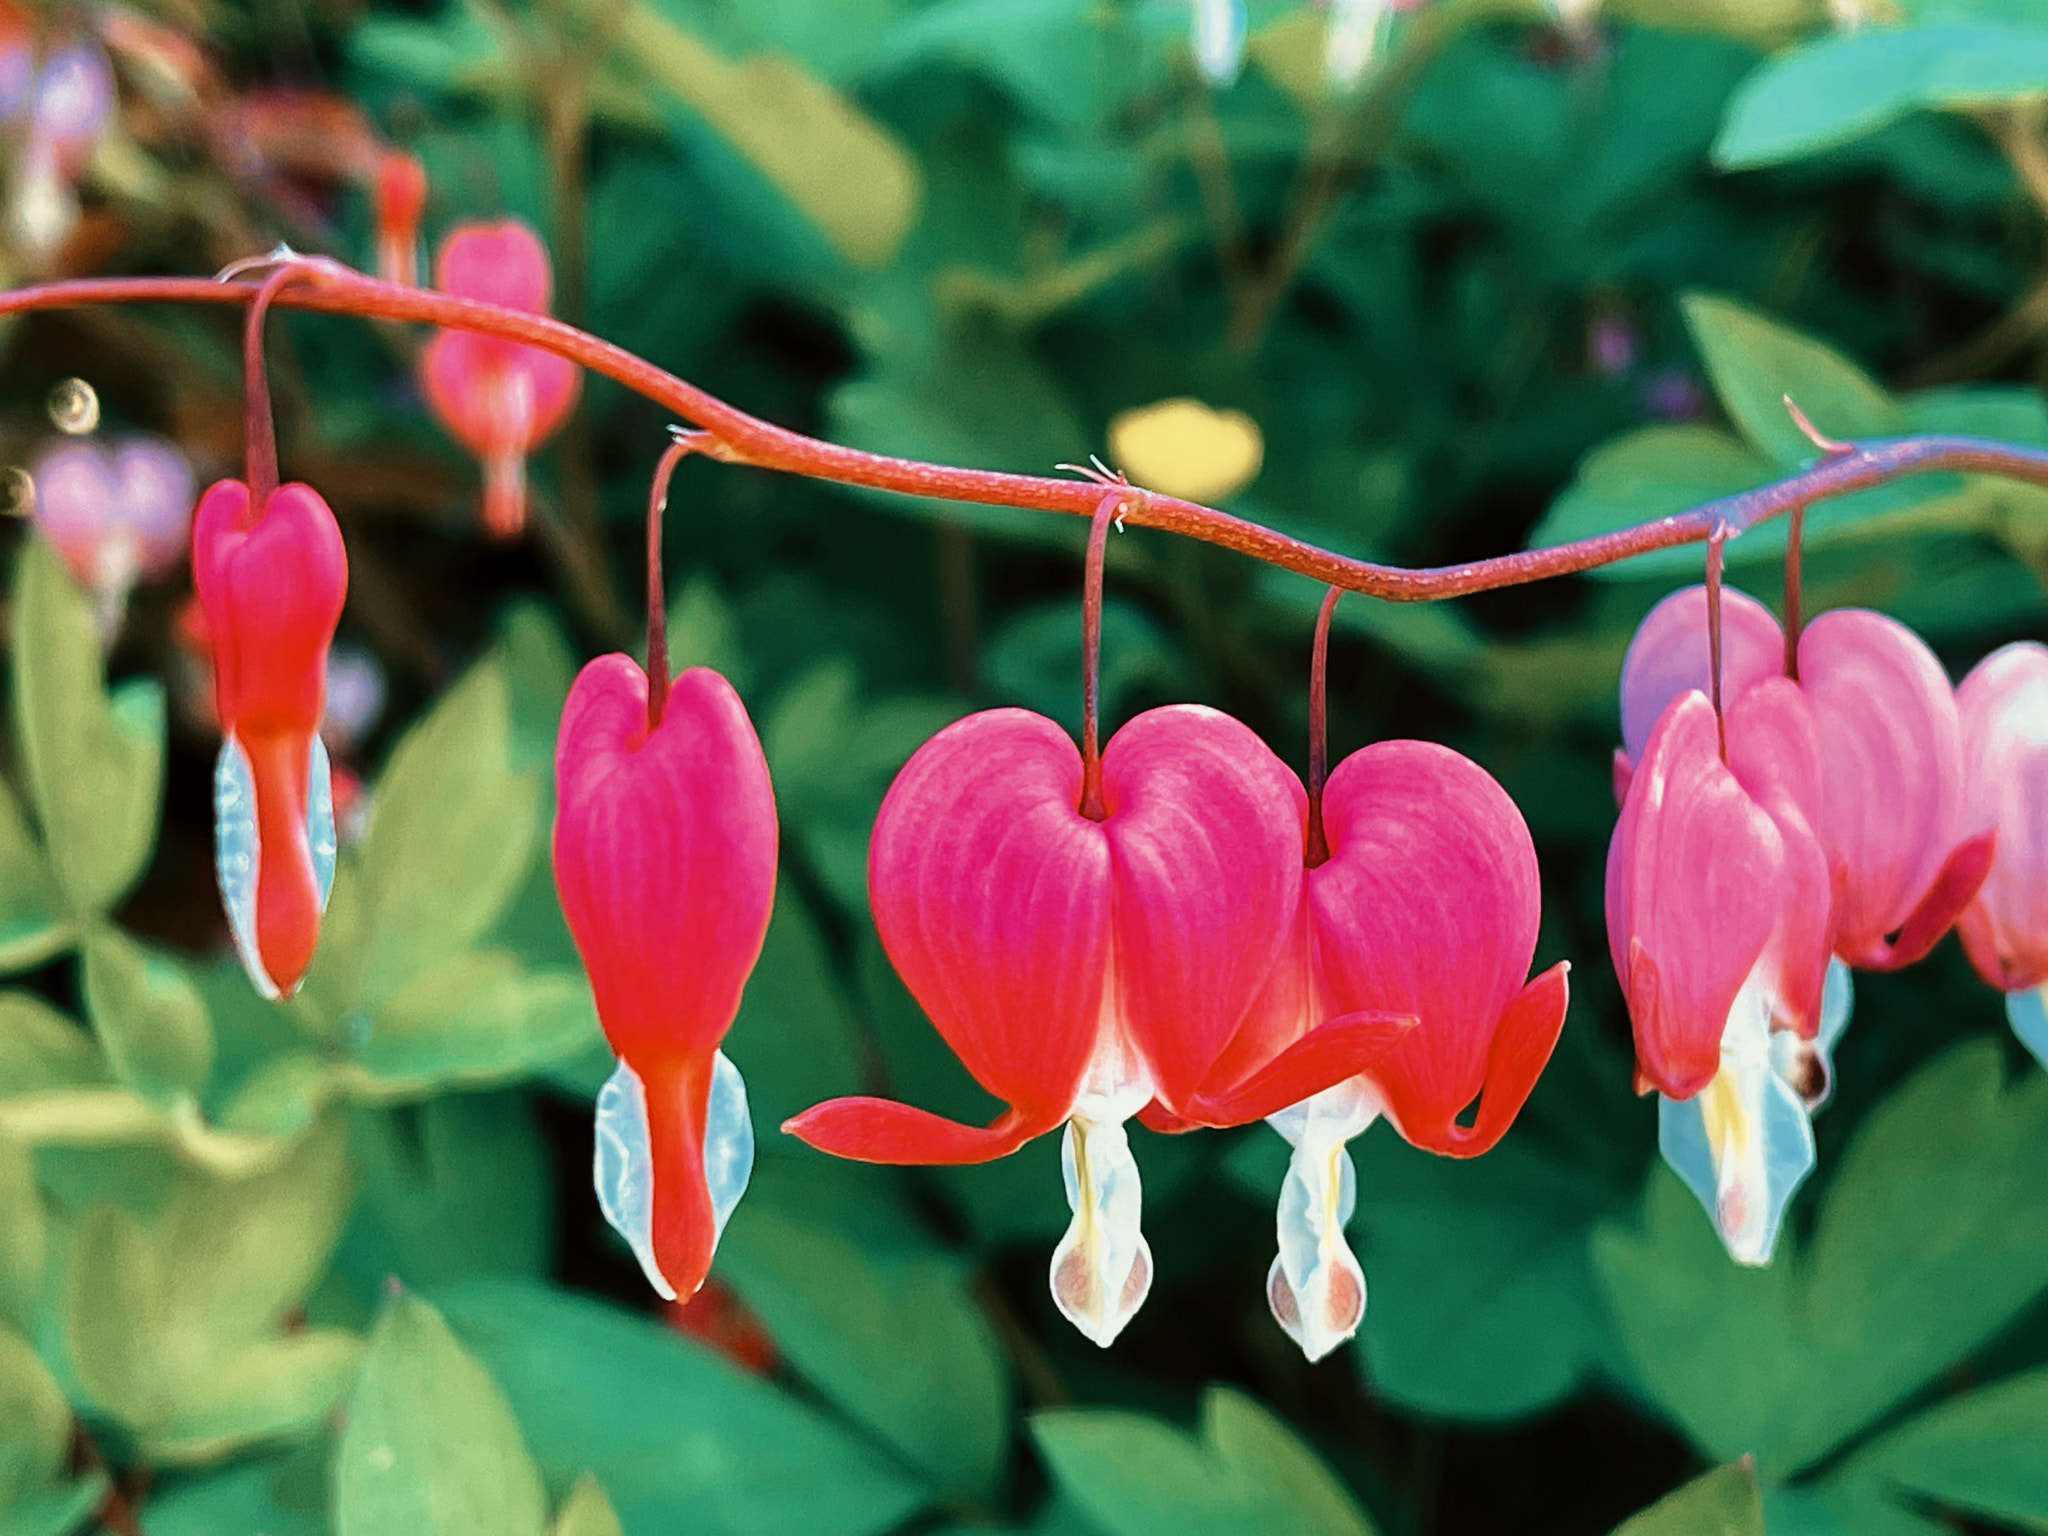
column 335, row 1266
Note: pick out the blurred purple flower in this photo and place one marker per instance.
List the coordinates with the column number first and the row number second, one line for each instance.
column 118, row 513
column 1671, row 394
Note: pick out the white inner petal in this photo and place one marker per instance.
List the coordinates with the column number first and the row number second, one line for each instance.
column 320, row 817
column 236, row 851
column 2028, row 1012
column 1315, row 1287
column 728, row 1140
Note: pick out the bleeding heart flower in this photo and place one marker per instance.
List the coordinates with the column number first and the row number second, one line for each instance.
column 70, row 99
column 399, row 193
column 118, row 514
column 1082, row 967
column 665, row 861
column 271, row 584
column 500, row 399
column 1816, row 816
column 1424, row 910
column 2004, row 709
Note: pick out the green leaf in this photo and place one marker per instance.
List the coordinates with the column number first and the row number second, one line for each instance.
column 1725, row 1502
column 94, row 762
column 842, row 169
column 24, row 1235
column 32, row 924
column 260, row 1391
column 57, row 1511
column 457, row 1186
column 793, row 1041
column 431, row 1447
column 1845, row 85
column 151, row 1314
column 151, row 1021
column 668, row 1426
column 40, row 1048
column 454, row 827
column 1247, row 1473
column 1932, row 1236
column 1984, row 1453
column 35, row 1423
column 586, row 1512
column 259, row 1496
column 477, row 1018
column 1755, row 362
column 894, row 1339
column 1646, row 474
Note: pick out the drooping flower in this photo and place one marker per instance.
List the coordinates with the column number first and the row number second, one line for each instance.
column 1757, row 857
column 2004, row 709
column 1425, row 907
column 118, row 513
column 271, row 581
column 1083, row 966
column 399, row 194
column 664, row 846
column 500, row 399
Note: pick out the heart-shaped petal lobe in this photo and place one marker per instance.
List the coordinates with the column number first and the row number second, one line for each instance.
column 2004, row 712
column 1670, row 654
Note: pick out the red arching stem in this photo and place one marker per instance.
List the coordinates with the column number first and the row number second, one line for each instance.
column 1715, row 540
column 657, row 600
column 1106, row 509
column 259, row 466
column 735, row 437
column 1318, row 849
column 1793, row 595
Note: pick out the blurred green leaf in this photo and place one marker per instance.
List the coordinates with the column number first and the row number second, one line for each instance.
column 794, row 1040
column 1649, row 473
column 32, row 925
column 40, row 1048
column 1839, row 87
column 1246, row 1473
column 57, row 1511
column 94, row 760
column 586, row 1512
column 173, row 1327
column 431, row 1447
column 474, row 1019
column 1722, row 1503
column 845, row 171
column 1932, row 1235
column 151, row 1021
column 456, row 1186
column 454, row 826
column 893, row 1338
column 1984, row 1453
column 1755, row 362
column 247, row 1496
column 675, row 1434
column 35, row 1424
column 24, row 1237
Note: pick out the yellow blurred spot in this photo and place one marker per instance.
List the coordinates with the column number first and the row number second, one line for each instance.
column 1184, row 448
column 74, row 407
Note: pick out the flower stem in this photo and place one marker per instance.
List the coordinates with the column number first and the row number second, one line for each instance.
column 1107, row 509
column 1318, row 849
column 259, row 466
column 683, row 445
column 1793, row 591
column 1715, row 541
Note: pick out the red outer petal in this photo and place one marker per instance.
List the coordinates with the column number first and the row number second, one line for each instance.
column 1669, row 655
column 1774, row 754
column 1953, row 890
column 1693, row 879
column 288, row 904
column 1892, row 769
column 1322, row 1058
column 1428, row 906
column 1205, row 828
column 2004, row 709
column 883, row 1131
column 664, row 854
column 501, row 262
column 991, row 893
column 678, row 1089
column 272, row 591
column 1522, row 1045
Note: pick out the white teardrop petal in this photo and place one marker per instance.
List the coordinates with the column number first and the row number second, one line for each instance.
column 2028, row 1012
column 1102, row 1269
column 236, row 853
column 320, row 817
column 728, row 1140
column 625, row 1170
column 1315, row 1287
